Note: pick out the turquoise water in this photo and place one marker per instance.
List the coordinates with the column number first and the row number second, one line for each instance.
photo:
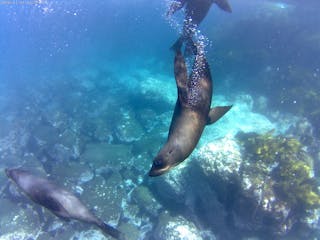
column 87, row 93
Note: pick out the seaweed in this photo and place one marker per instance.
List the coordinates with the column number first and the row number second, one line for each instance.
column 286, row 161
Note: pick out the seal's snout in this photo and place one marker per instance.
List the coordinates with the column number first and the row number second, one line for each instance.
column 158, row 167
column 154, row 172
column 8, row 172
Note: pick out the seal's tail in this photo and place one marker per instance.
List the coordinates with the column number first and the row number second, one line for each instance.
column 190, row 48
column 224, row 5
column 108, row 230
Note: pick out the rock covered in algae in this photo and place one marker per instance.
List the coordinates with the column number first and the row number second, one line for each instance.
column 134, row 218
column 100, row 155
column 172, row 186
column 12, row 143
column 130, row 231
column 17, row 235
column 128, row 128
column 105, row 197
column 288, row 166
column 61, row 230
column 13, row 215
column 251, row 181
column 278, row 172
column 102, row 130
column 46, row 134
column 143, row 197
column 151, row 85
column 72, row 173
column 92, row 234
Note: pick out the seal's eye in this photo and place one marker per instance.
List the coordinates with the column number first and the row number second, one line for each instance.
column 158, row 163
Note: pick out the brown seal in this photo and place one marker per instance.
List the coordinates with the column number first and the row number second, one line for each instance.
column 191, row 114
column 59, row 201
column 195, row 12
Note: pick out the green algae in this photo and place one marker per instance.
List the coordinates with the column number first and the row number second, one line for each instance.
column 103, row 154
column 289, row 166
column 130, row 231
column 105, row 197
column 296, row 186
column 143, row 195
column 145, row 200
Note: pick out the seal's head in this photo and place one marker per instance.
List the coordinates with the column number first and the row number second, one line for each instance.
column 168, row 157
column 8, row 172
column 14, row 173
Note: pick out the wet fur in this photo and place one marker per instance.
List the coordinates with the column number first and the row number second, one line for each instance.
column 59, row 201
column 191, row 113
column 195, row 12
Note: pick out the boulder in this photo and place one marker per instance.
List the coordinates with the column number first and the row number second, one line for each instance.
column 105, row 197
column 101, row 155
column 175, row 228
column 143, row 197
column 237, row 185
column 128, row 128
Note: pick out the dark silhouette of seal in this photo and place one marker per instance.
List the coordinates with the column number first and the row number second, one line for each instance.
column 59, row 201
column 191, row 114
column 195, row 12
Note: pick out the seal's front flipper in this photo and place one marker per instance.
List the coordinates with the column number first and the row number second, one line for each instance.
column 224, row 5
column 216, row 113
column 181, row 76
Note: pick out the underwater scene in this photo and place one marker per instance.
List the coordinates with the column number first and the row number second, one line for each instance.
column 159, row 120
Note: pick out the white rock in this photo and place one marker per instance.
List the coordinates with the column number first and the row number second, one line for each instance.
column 221, row 157
column 177, row 229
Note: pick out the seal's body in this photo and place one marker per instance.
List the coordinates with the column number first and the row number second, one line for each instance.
column 195, row 12
column 59, row 201
column 191, row 114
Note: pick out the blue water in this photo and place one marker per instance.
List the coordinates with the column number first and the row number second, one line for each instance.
column 91, row 84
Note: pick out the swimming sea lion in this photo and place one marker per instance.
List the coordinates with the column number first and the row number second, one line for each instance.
column 59, row 201
column 191, row 114
column 195, row 12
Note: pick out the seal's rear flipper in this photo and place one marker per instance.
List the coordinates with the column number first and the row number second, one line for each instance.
column 181, row 76
column 190, row 48
column 224, row 5
column 108, row 230
column 175, row 6
column 216, row 113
